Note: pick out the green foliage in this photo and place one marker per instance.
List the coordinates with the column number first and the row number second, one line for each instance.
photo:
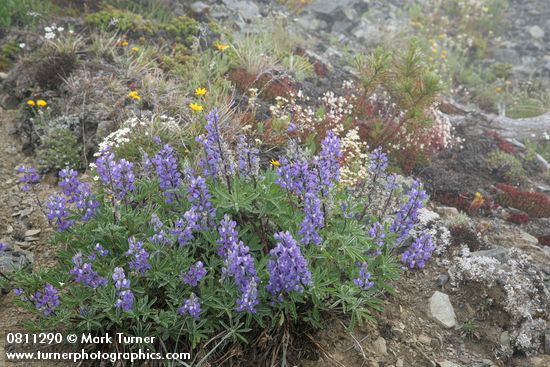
column 52, row 63
column 120, row 20
column 527, row 103
column 261, row 208
column 184, row 28
column 470, row 328
column 7, row 54
column 505, row 165
column 58, row 149
column 157, row 10
column 299, row 66
column 405, row 75
column 501, row 70
column 20, row 12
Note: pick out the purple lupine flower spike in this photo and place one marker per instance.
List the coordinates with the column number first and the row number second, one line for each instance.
column 363, row 280
column 407, row 215
column 191, row 306
column 248, row 159
column 160, row 237
column 166, row 165
column 79, row 193
column 125, row 296
column 313, row 220
column 84, row 273
column 140, row 256
column 287, row 267
column 46, row 300
column 29, row 177
column 58, row 213
column 199, row 197
column 117, row 176
column 195, row 274
column 218, row 160
column 328, row 161
column 419, row 252
column 239, row 264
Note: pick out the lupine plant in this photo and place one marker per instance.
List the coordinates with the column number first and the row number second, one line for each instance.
column 229, row 247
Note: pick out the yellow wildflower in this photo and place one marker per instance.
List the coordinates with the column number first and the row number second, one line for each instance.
column 134, row 95
column 195, row 106
column 275, row 163
column 30, row 102
column 477, row 202
column 221, row 46
column 41, row 103
column 123, row 43
column 135, row 49
column 498, row 89
column 200, row 91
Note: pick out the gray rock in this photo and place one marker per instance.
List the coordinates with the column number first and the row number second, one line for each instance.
column 507, row 56
column 198, row 7
column 446, row 211
column 329, row 7
column 424, row 339
column 32, row 232
column 104, row 128
column 340, row 27
column 380, row 347
column 442, row 279
column 536, row 32
column 3, row 76
column 11, row 260
column 499, row 253
column 247, row 9
column 312, row 23
column 527, row 239
column 441, row 310
column 505, row 339
column 367, row 32
column 448, row 364
column 547, row 342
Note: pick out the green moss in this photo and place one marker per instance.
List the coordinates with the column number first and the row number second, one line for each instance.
column 505, row 165
column 121, row 20
column 59, row 149
column 184, row 28
column 18, row 12
column 7, row 54
column 179, row 56
column 501, row 70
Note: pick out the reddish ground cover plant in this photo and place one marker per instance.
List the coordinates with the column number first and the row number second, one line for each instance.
column 544, row 240
column 518, row 218
column 535, row 204
column 268, row 85
column 503, row 145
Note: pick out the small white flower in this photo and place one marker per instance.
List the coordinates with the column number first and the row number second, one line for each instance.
column 22, row 45
column 60, row 29
column 48, row 29
column 71, row 31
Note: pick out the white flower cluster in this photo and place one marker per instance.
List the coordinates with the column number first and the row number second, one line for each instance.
column 137, row 127
column 527, row 296
column 294, row 108
column 430, row 222
column 337, row 107
column 356, row 158
column 442, row 132
column 50, row 31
